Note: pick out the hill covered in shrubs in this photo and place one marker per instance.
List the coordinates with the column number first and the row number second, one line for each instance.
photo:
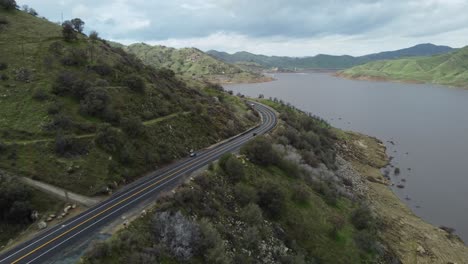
column 193, row 64
column 80, row 114
column 287, row 198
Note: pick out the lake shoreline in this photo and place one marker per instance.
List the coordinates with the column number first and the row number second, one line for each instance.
column 411, row 238
column 388, row 79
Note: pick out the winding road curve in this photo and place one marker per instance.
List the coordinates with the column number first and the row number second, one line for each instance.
column 54, row 240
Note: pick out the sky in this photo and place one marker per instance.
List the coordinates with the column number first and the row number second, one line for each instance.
column 271, row 27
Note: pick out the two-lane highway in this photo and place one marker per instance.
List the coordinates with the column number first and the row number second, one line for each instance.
column 54, row 240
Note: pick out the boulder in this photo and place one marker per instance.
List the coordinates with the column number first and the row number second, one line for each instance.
column 42, row 225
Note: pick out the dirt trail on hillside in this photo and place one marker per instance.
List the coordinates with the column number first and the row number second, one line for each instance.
column 61, row 193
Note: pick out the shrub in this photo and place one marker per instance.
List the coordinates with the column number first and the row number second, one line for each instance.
column 3, row 66
column 68, row 31
column 165, row 73
column 94, row 102
column 8, row 4
column 366, row 241
column 60, row 123
column 337, row 222
column 93, row 35
column 40, row 95
column 232, row 167
column 103, row 69
column 362, row 218
column 245, row 194
column 3, row 22
column 251, row 214
column 67, row 146
column 56, row 48
column 76, row 57
column 135, row 83
column 301, row 193
column 55, row 108
column 15, row 207
column 272, row 199
column 64, row 82
column 109, row 138
column 260, row 151
column 133, row 127
column 23, row 75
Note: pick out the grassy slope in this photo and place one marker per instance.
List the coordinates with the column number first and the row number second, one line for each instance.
column 192, row 63
column 25, row 43
column 448, row 69
column 323, row 61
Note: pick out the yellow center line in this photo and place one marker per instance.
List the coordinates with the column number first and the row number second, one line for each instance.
column 111, row 207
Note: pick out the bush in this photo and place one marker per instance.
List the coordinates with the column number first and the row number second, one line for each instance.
column 3, row 22
column 68, row 31
column 135, row 83
column 55, row 108
column 93, row 35
column 60, row 122
column 366, row 241
column 15, row 207
column 68, row 147
column 103, row 69
column 64, row 82
column 245, row 194
column 232, row 167
column 251, row 214
column 272, row 199
column 362, row 218
column 94, row 102
column 109, row 138
column 133, row 127
column 8, row 4
column 260, row 151
column 3, row 66
column 75, row 57
column 40, row 95
column 23, row 75
column 301, row 193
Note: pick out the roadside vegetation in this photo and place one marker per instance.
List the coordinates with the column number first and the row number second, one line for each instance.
column 273, row 203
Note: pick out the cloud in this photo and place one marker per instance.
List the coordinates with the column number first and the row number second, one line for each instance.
column 276, row 25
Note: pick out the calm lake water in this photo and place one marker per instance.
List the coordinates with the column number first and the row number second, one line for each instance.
column 427, row 123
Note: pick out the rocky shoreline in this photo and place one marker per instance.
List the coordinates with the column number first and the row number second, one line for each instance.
column 409, row 237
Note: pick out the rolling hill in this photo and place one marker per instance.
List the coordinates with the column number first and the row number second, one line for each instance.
column 447, row 69
column 87, row 117
column 323, row 61
column 193, row 63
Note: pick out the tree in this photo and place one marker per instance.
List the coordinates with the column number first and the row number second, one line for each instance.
column 77, row 24
column 261, row 152
column 32, row 11
column 8, row 4
column 68, row 32
column 135, row 83
column 94, row 35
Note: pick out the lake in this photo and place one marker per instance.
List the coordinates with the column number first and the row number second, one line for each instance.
column 428, row 125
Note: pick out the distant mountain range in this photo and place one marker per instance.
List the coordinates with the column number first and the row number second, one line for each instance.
column 323, row 61
column 193, row 63
column 448, row 69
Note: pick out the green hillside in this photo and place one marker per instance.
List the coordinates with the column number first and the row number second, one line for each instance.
column 86, row 116
column 447, row 69
column 267, row 205
column 323, row 61
column 193, row 63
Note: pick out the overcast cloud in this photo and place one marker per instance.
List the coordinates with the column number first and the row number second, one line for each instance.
column 272, row 27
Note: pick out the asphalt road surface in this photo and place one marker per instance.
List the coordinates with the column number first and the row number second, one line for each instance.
column 54, row 240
